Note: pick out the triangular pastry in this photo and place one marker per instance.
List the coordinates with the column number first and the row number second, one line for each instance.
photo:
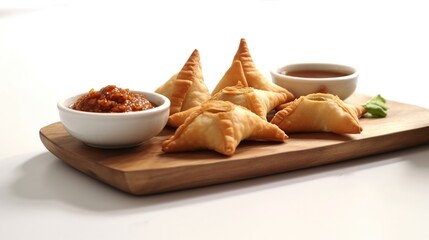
column 319, row 112
column 253, row 76
column 221, row 126
column 233, row 76
column 258, row 101
column 186, row 89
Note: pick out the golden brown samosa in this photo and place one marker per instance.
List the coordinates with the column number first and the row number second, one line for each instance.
column 253, row 76
column 187, row 88
column 221, row 126
column 319, row 112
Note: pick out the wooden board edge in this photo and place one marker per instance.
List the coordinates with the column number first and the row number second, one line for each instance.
column 95, row 172
column 166, row 180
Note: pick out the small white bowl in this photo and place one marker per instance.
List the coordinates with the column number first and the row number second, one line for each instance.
column 343, row 86
column 115, row 130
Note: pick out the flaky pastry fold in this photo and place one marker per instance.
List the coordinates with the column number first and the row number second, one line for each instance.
column 253, row 76
column 319, row 112
column 221, row 126
column 186, row 89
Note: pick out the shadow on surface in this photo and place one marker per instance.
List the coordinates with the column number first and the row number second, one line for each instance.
column 45, row 177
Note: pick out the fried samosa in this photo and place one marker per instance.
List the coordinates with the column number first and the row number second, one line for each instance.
column 187, row 88
column 319, row 112
column 221, row 126
column 253, row 76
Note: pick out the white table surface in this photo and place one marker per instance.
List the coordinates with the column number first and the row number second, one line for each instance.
column 52, row 49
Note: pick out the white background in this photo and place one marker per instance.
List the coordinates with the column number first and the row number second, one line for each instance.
column 53, row 49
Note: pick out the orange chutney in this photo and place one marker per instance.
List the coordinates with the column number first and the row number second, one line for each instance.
column 112, row 99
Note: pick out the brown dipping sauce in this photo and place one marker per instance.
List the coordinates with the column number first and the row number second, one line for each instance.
column 309, row 73
column 112, row 99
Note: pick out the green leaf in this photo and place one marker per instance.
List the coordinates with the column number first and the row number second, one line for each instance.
column 376, row 107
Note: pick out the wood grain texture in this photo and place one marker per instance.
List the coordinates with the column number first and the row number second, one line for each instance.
column 145, row 169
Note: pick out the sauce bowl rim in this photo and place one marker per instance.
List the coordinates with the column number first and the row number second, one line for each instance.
column 354, row 72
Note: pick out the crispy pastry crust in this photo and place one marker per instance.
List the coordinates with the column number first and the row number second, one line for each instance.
column 233, row 76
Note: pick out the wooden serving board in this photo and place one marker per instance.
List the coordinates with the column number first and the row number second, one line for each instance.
column 145, row 169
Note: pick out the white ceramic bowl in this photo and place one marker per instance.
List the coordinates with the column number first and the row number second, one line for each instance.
column 343, row 86
column 115, row 130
